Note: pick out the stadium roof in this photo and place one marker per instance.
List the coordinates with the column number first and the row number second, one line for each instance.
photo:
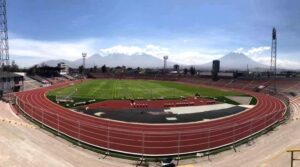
column 9, row 75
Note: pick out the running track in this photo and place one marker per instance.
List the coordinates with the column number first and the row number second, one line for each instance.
column 151, row 139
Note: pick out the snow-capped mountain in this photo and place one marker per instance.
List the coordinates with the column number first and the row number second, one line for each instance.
column 234, row 60
column 231, row 61
column 115, row 59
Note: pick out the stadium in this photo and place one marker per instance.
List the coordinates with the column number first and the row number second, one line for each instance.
column 132, row 83
column 158, row 117
column 152, row 139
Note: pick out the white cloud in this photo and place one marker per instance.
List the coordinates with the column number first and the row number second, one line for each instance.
column 258, row 50
column 157, row 50
column 263, row 55
column 193, row 57
column 183, row 57
column 281, row 63
column 239, row 50
column 254, row 50
column 288, row 64
column 35, row 51
column 49, row 49
column 154, row 50
column 259, row 54
column 128, row 50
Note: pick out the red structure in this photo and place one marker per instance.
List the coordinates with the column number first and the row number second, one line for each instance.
column 151, row 139
column 153, row 104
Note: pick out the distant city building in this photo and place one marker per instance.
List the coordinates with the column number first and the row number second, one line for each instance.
column 10, row 82
column 206, row 74
column 215, row 69
column 64, row 69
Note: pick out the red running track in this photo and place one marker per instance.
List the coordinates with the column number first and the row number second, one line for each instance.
column 151, row 139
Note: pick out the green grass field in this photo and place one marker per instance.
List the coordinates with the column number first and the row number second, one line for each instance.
column 136, row 89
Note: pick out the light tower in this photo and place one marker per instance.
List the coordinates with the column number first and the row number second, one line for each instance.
column 165, row 62
column 83, row 59
column 4, row 54
column 83, row 62
column 273, row 69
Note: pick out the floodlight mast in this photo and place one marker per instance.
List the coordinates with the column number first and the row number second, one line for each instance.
column 273, row 67
column 83, row 62
column 165, row 62
column 83, row 59
column 4, row 49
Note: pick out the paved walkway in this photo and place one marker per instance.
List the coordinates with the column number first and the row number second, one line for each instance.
column 24, row 144
column 7, row 113
column 30, row 83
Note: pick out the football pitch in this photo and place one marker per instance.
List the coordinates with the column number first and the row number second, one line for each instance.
column 135, row 89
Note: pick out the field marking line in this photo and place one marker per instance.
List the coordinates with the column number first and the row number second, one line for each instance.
column 291, row 87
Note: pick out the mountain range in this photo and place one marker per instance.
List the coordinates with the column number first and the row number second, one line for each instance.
column 236, row 61
column 115, row 59
column 231, row 61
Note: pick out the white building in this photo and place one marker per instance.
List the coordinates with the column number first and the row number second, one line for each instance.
column 64, row 69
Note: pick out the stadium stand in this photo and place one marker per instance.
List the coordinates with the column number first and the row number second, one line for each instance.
column 69, row 77
column 40, row 79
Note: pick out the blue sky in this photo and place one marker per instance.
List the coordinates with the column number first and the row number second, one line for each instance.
column 189, row 31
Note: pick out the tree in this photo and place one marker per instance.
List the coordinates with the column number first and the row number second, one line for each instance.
column 192, row 70
column 176, row 67
column 14, row 66
column 32, row 70
column 95, row 68
column 104, row 69
column 137, row 70
column 185, row 71
column 80, row 69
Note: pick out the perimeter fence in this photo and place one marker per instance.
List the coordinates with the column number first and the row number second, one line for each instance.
column 157, row 140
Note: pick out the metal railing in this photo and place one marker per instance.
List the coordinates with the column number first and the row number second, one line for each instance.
column 150, row 141
column 292, row 155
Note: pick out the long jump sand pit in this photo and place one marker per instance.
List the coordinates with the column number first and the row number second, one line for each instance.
column 199, row 109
